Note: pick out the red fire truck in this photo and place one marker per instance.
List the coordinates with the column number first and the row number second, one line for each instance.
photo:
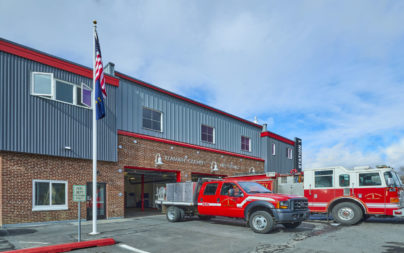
column 348, row 195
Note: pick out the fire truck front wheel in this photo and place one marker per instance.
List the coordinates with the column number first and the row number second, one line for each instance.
column 261, row 222
column 173, row 214
column 347, row 213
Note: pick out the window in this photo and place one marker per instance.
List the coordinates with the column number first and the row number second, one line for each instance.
column 284, row 180
column 226, row 189
column 344, row 180
column 152, row 119
column 49, row 195
column 369, row 179
column 64, row 92
column 323, row 178
column 210, row 189
column 44, row 85
column 245, row 143
column 289, row 153
column 273, row 149
column 207, row 134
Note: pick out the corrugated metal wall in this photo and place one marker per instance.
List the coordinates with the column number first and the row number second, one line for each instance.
column 280, row 161
column 37, row 125
column 181, row 120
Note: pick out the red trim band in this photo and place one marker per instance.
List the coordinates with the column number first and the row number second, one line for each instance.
column 67, row 246
column 177, row 172
column 184, row 98
column 43, row 58
column 277, row 137
column 147, row 137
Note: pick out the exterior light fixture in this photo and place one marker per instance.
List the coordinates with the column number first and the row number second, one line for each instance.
column 68, row 148
column 120, row 170
column 158, row 160
column 213, row 167
column 251, row 170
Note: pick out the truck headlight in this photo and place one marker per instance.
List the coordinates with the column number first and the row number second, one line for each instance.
column 283, row 204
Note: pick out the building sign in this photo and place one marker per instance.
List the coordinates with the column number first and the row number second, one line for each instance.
column 298, row 154
column 185, row 159
column 79, row 193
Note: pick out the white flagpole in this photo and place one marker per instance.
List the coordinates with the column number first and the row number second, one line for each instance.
column 94, row 143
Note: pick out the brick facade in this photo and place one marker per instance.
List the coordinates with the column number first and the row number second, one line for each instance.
column 18, row 171
column 187, row 160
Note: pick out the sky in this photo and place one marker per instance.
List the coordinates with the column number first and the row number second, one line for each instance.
column 328, row 72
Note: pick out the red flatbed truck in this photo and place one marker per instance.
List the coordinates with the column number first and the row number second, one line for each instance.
column 250, row 201
column 349, row 195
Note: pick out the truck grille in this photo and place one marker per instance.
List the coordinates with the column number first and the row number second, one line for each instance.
column 300, row 204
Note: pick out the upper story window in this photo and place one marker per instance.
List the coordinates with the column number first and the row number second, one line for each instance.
column 289, row 153
column 245, row 143
column 207, row 134
column 49, row 195
column 152, row 119
column 45, row 85
column 273, row 149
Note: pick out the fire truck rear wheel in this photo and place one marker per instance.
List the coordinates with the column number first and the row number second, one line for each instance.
column 347, row 213
column 261, row 222
column 173, row 214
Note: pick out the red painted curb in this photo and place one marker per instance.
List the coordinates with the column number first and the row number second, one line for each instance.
column 67, row 246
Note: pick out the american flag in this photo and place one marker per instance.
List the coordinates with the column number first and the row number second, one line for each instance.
column 100, row 90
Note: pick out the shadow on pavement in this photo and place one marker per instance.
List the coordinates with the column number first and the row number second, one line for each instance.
column 16, row 231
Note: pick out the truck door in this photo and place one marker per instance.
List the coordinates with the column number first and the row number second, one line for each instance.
column 371, row 191
column 323, row 190
column 230, row 196
column 208, row 201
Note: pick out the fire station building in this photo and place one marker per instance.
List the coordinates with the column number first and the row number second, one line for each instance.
column 149, row 137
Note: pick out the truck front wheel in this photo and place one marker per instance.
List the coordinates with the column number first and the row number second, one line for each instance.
column 173, row 214
column 261, row 222
column 347, row 213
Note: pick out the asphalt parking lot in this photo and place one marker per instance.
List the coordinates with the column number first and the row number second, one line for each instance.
column 156, row 234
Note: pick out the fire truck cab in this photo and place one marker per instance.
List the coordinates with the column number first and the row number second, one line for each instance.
column 353, row 195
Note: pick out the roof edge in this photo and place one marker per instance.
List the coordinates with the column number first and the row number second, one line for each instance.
column 153, row 87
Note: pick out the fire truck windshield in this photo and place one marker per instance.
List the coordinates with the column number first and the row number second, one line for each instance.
column 252, row 187
column 393, row 175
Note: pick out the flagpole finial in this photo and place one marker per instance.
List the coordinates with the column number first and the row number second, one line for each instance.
column 95, row 22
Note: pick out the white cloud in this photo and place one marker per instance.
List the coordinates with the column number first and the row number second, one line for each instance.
column 395, row 154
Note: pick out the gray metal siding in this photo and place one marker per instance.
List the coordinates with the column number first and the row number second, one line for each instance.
column 37, row 125
column 280, row 161
column 181, row 120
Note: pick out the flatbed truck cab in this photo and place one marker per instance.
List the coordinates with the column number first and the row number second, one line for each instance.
column 250, row 201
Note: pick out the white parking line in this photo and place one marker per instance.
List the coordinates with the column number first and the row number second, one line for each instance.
column 124, row 246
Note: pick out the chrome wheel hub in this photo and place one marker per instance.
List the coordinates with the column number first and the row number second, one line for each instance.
column 259, row 222
column 346, row 214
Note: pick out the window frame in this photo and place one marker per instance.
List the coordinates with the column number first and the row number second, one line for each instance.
column 324, row 175
column 82, row 87
column 49, row 207
column 74, row 91
column 273, row 149
column 33, row 73
column 289, row 153
column 161, row 119
column 249, row 144
column 53, row 90
column 213, row 134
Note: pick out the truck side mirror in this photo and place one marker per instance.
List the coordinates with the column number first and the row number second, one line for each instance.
column 390, row 182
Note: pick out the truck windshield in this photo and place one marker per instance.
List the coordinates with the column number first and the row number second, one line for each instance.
column 393, row 175
column 252, row 187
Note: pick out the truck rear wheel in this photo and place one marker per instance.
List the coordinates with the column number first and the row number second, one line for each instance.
column 347, row 213
column 173, row 214
column 261, row 222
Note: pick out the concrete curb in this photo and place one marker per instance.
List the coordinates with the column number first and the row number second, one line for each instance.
column 67, row 246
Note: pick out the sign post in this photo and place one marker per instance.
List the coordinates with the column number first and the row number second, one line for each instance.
column 79, row 195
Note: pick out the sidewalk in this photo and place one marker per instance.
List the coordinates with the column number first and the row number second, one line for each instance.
column 55, row 233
